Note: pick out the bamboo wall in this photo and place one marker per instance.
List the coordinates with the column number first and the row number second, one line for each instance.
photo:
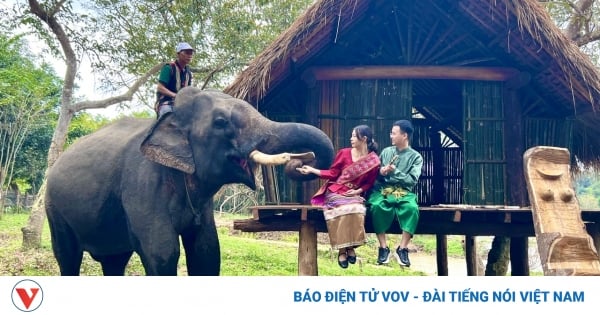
column 376, row 103
column 453, row 176
column 549, row 132
column 484, row 178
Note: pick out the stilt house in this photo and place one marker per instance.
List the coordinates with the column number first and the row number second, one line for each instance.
column 482, row 81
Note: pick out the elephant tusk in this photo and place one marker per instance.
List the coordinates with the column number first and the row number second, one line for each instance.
column 304, row 157
column 278, row 159
column 269, row 159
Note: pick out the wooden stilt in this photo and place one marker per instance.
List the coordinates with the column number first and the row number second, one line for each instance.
column 471, row 255
column 441, row 254
column 519, row 256
column 307, row 250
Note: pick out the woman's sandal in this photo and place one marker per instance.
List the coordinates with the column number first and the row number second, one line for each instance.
column 351, row 259
column 343, row 263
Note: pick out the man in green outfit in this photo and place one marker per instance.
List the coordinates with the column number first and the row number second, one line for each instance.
column 392, row 197
column 173, row 77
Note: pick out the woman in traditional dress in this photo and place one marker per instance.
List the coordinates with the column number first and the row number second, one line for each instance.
column 350, row 177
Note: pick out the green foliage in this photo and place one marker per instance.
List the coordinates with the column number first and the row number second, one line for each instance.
column 250, row 25
column 587, row 188
column 559, row 10
column 83, row 124
column 219, row 30
column 23, row 82
column 32, row 159
column 22, row 185
column 579, row 19
column 141, row 114
column 29, row 95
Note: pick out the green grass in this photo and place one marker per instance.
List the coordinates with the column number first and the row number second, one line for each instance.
column 252, row 257
column 39, row 262
column 242, row 254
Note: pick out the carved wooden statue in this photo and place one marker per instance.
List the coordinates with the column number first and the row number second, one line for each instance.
column 564, row 245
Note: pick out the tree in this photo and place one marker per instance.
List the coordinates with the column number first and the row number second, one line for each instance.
column 580, row 21
column 28, row 94
column 51, row 27
column 123, row 39
column 226, row 34
column 30, row 164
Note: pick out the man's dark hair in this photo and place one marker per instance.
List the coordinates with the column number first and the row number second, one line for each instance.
column 405, row 126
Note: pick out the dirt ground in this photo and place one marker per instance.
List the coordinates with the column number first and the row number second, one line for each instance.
column 457, row 266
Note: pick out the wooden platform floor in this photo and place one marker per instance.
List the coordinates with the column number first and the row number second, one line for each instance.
column 440, row 220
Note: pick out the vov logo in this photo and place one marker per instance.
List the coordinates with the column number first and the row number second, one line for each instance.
column 27, row 295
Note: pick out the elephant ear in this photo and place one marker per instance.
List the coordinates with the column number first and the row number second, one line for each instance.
column 166, row 144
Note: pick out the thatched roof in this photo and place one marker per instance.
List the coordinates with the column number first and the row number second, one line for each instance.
column 516, row 33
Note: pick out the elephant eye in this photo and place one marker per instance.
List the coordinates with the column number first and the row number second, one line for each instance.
column 220, row 122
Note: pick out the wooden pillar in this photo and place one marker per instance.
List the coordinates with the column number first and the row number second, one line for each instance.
column 441, row 254
column 516, row 187
column 471, row 255
column 307, row 243
column 519, row 256
column 438, row 168
column 307, row 250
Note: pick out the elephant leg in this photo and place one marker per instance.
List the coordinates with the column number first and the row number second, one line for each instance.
column 66, row 248
column 114, row 265
column 202, row 252
column 69, row 259
column 160, row 256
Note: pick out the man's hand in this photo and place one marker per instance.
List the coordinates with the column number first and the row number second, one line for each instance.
column 387, row 169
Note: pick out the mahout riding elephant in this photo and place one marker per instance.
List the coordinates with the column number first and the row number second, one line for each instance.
column 139, row 185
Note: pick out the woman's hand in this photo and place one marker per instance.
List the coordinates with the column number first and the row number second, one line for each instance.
column 306, row 169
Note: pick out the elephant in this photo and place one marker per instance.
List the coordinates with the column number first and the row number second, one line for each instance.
column 142, row 185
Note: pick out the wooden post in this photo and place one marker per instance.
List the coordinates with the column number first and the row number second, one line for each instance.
column 516, row 190
column 438, row 168
column 471, row 255
column 519, row 256
column 307, row 250
column 441, row 254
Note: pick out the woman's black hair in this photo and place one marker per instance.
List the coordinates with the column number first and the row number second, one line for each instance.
column 365, row 131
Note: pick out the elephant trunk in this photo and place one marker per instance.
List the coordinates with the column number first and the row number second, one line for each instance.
column 300, row 138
